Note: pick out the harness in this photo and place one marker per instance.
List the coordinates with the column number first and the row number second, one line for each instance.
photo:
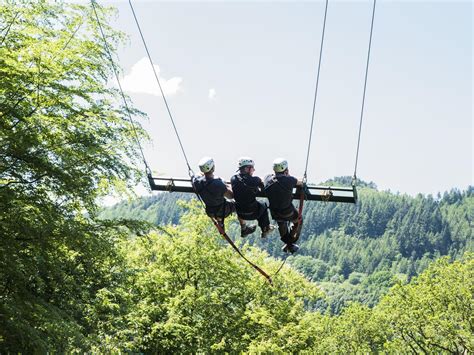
column 284, row 213
column 253, row 189
column 205, row 187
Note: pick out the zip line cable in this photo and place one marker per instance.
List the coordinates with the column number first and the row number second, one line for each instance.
column 354, row 179
column 9, row 27
column 190, row 171
column 316, row 92
column 107, row 49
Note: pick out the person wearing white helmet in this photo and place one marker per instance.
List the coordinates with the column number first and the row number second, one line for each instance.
column 245, row 187
column 213, row 191
column 278, row 188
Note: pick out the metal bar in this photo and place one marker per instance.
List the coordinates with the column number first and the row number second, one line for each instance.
column 316, row 193
column 310, row 187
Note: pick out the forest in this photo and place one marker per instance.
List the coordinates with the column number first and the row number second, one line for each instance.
column 392, row 274
column 353, row 252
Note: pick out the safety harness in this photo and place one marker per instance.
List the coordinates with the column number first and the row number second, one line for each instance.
column 303, row 191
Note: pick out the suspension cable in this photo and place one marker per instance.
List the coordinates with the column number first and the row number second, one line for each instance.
column 9, row 27
column 316, row 91
column 107, row 49
column 190, row 171
column 354, row 178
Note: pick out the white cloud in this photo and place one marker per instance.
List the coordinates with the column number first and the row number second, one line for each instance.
column 142, row 80
column 212, row 94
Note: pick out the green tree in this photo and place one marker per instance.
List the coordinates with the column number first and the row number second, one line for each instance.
column 434, row 313
column 64, row 142
column 189, row 292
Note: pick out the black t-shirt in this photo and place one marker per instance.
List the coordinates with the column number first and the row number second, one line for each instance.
column 245, row 187
column 279, row 190
column 211, row 190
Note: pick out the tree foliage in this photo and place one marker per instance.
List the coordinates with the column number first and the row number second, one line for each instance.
column 355, row 253
column 64, row 141
column 71, row 282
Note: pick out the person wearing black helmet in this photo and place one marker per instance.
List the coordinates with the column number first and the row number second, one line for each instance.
column 245, row 187
column 213, row 191
column 279, row 189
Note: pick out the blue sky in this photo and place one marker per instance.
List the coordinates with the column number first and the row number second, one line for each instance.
column 240, row 80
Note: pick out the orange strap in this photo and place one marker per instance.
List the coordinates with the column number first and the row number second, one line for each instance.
column 227, row 238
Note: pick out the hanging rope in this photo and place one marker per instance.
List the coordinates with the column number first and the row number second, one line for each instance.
column 190, row 171
column 354, row 178
column 315, row 92
column 230, row 241
column 281, row 266
column 107, row 49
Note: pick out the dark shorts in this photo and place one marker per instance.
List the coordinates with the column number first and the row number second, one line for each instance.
column 251, row 212
column 257, row 211
column 221, row 211
column 288, row 214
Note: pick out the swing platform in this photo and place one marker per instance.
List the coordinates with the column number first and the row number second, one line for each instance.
column 315, row 193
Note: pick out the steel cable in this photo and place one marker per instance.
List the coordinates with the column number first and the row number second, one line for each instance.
column 363, row 95
column 190, row 171
column 107, row 49
column 316, row 92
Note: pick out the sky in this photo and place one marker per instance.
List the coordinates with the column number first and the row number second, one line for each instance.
column 240, row 77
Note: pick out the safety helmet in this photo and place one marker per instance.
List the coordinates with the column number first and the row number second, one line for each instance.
column 280, row 165
column 206, row 164
column 246, row 161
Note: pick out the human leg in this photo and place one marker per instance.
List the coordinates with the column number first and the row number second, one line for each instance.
column 284, row 230
column 262, row 215
column 287, row 234
column 246, row 215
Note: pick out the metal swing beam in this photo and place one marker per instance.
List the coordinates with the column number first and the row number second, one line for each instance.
column 315, row 193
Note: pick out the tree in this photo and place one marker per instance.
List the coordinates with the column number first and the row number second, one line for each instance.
column 434, row 312
column 64, row 141
column 189, row 292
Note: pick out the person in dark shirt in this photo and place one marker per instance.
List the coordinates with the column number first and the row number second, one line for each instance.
column 213, row 192
column 279, row 190
column 245, row 187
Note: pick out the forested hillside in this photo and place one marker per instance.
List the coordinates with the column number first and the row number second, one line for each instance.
column 353, row 252
column 74, row 279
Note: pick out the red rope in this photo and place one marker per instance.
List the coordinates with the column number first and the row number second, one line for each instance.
column 227, row 238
